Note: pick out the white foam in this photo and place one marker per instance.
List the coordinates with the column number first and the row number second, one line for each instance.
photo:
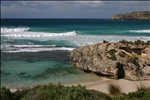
column 140, row 31
column 33, row 46
column 82, row 40
column 38, row 34
column 10, row 30
column 39, row 49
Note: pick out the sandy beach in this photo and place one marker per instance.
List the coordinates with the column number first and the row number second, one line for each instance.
column 102, row 85
column 125, row 85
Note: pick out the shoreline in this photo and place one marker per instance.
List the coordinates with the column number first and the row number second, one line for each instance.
column 101, row 85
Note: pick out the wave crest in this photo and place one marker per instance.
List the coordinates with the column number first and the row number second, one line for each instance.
column 8, row 30
column 140, row 31
column 38, row 49
column 38, row 34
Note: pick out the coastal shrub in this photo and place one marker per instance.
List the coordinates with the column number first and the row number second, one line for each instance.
column 147, row 94
column 60, row 92
column 119, row 98
column 54, row 92
column 6, row 94
column 140, row 95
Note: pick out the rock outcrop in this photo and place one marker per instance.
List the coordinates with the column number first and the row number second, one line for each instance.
column 129, row 60
column 142, row 15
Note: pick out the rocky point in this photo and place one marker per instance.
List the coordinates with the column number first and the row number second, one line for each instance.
column 124, row 59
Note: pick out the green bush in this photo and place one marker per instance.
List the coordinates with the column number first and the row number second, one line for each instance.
column 6, row 94
column 119, row 98
column 144, row 95
column 138, row 95
column 60, row 92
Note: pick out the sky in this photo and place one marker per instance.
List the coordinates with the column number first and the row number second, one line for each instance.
column 70, row 9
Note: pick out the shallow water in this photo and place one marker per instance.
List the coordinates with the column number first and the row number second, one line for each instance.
column 16, row 74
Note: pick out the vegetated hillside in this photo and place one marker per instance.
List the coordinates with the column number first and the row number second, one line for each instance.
column 141, row 15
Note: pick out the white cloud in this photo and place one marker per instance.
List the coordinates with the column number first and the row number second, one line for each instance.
column 88, row 3
column 52, row 9
column 9, row 8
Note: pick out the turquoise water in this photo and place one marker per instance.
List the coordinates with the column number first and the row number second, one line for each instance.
column 35, row 51
column 16, row 74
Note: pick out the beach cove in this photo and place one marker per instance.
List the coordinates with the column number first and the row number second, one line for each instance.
column 42, row 46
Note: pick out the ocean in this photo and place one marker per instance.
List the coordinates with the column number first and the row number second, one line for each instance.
column 35, row 51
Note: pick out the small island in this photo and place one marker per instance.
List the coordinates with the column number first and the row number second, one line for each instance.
column 141, row 15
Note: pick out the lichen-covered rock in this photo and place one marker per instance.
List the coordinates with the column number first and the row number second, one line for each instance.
column 130, row 60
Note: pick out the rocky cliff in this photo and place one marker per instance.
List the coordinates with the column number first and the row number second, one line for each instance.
column 143, row 15
column 129, row 60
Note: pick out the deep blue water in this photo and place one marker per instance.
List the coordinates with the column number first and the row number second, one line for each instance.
column 35, row 51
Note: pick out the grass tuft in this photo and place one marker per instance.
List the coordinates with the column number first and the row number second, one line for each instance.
column 114, row 89
column 142, row 87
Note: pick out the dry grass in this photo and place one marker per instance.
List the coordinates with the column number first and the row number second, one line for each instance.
column 142, row 87
column 114, row 89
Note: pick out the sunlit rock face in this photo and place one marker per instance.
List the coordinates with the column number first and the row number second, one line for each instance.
column 129, row 60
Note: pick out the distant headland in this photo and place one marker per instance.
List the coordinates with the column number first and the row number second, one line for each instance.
column 141, row 15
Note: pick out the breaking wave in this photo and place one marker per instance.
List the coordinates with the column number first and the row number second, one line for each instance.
column 37, row 34
column 33, row 48
column 10, row 30
column 39, row 50
column 140, row 31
